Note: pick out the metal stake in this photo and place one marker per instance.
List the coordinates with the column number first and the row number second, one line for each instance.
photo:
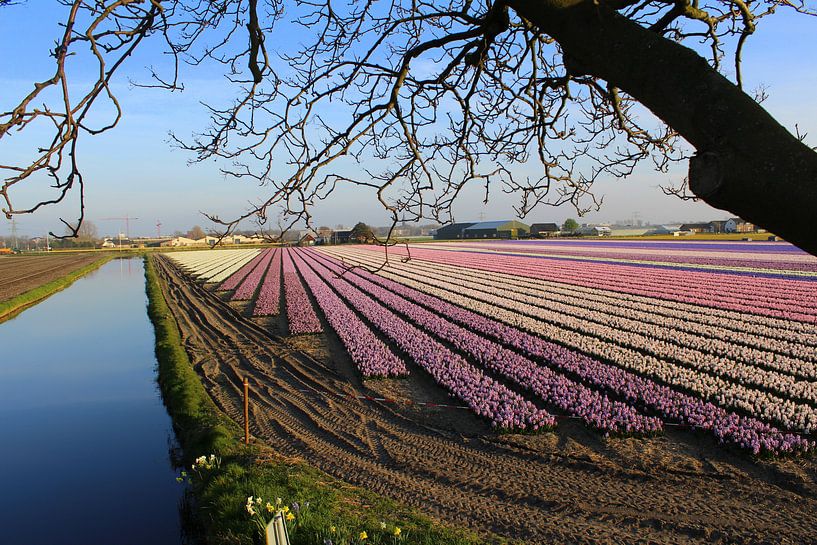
column 246, row 411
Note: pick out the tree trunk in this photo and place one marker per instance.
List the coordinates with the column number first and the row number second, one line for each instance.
column 746, row 162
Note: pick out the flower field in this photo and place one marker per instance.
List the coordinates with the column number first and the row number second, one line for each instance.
column 213, row 265
column 627, row 338
column 757, row 258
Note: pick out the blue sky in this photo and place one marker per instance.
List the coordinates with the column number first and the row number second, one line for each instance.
column 133, row 169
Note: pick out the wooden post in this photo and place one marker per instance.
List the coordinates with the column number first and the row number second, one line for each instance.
column 246, row 411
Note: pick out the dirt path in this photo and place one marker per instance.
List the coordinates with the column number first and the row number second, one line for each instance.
column 570, row 486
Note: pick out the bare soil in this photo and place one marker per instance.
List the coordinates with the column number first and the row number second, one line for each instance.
column 19, row 274
column 568, row 486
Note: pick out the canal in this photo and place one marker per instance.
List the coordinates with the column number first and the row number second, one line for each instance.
column 85, row 438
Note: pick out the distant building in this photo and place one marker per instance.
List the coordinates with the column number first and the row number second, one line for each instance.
column 111, row 242
column 179, row 241
column 697, row 227
column 737, row 225
column 674, row 230
column 496, row 229
column 241, row 239
column 451, row 231
column 207, row 240
column 595, row 231
column 211, row 240
column 628, row 230
column 342, row 237
column 717, row 226
column 543, row 230
column 307, row 240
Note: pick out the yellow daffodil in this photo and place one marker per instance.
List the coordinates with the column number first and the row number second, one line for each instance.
column 333, row 529
column 270, row 508
column 397, row 531
column 382, row 525
column 290, row 517
column 363, row 535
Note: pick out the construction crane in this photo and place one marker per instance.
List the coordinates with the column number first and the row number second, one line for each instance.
column 127, row 219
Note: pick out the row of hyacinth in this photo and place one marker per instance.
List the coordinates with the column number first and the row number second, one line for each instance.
column 703, row 354
column 728, row 325
column 194, row 262
column 750, row 285
column 247, row 288
column 220, row 272
column 652, row 358
column 596, row 410
column 709, row 289
column 269, row 295
column 207, row 265
column 795, row 356
column 727, row 427
column 755, row 247
column 758, row 403
column 795, row 295
column 746, row 284
column 778, row 262
column 757, row 331
column 504, row 408
column 239, row 276
column 681, row 247
column 369, row 354
column 737, row 282
column 636, row 335
column 300, row 314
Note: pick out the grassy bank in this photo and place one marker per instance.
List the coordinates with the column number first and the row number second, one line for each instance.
column 326, row 508
column 15, row 305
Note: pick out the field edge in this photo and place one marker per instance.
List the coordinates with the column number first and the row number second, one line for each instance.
column 14, row 306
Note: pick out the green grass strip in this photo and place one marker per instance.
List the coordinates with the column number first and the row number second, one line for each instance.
column 327, row 509
column 14, row 306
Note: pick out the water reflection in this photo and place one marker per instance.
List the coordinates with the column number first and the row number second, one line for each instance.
column 85, row 435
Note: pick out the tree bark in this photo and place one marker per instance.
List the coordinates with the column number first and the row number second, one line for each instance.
column 746, row 162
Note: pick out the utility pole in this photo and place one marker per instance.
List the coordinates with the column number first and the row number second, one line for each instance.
column 158, row 228
column 14, row 232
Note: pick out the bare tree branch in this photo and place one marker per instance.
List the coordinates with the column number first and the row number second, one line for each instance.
column 415, row 101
